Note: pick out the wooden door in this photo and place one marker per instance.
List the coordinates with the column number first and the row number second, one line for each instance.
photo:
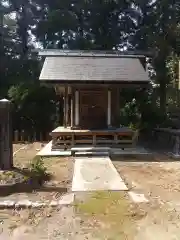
column 93, row 109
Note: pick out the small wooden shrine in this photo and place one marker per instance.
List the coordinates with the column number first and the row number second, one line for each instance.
column 90, row 83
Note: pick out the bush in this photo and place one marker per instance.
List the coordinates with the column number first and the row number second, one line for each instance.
column 38, row 170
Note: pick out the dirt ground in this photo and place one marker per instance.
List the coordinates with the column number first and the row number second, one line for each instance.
column 101, row 217
column 60, row 170
column 159, row 180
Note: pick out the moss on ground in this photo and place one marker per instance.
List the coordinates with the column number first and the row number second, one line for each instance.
column 114, row 214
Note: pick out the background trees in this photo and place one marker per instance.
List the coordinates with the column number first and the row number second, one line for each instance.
column 85, row 24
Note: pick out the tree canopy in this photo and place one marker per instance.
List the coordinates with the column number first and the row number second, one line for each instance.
column 84, row 24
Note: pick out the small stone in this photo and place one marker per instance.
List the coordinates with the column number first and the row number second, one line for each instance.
column 38, row 204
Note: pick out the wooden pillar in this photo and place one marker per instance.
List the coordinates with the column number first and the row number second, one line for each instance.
column 66, row 106
column 64, row 110
column 76, row 108
column 71, row 110
column 6, row 158
column 118, row 108
column 109, row 109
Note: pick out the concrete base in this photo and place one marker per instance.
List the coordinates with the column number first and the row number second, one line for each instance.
column 173, row 155
column 48, row 152
column 129, row 151
column 91, row 151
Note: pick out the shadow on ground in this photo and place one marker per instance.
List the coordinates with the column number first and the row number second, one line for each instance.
column 30, row 185
column 154, row 157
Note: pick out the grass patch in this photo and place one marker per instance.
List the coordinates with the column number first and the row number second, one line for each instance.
column 114, row 213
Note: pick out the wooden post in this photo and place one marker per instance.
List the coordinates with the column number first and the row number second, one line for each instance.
column 176, row 146
column 22, row 136
column 6, row 156
column 29, row 138
column 118, row 109
column 109, row 109
column 41, row 137
column 77, row 108
column 16, row 136
column 34, row 137
column 71, row 110
column 65, row 106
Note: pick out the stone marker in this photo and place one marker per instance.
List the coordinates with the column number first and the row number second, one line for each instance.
column 6, row 158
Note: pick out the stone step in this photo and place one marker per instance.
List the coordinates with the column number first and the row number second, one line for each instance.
column 91, row 153
column 90, row 149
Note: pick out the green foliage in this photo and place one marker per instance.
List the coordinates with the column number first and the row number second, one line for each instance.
column 37, row 168
column 173, row 68
column 129, row 114
column 103, row 25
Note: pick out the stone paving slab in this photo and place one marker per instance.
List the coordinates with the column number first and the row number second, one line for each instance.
column 138, row 197
column 96, row 173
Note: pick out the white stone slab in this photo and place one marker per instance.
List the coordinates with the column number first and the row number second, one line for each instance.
column 138, row 198
column 92, row 153
column 48, row 152
column 67, row 199
column 96, row 173
column 23, row 203
column 7, row 204
column 90, row 148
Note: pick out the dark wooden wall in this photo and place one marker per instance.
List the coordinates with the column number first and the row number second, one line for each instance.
column 93, row 108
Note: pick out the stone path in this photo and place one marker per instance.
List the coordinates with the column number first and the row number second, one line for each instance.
column 96, row 173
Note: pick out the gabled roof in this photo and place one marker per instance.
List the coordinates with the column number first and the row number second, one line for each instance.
column 92, row 67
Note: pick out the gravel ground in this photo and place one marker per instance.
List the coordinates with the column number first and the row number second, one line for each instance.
column 158, row 180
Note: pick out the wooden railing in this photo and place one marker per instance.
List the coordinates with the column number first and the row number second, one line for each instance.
column 95, row 138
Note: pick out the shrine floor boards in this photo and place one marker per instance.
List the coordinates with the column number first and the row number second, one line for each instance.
column 96, row 173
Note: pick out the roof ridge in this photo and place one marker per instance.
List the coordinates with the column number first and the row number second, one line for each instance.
column 91, row 53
